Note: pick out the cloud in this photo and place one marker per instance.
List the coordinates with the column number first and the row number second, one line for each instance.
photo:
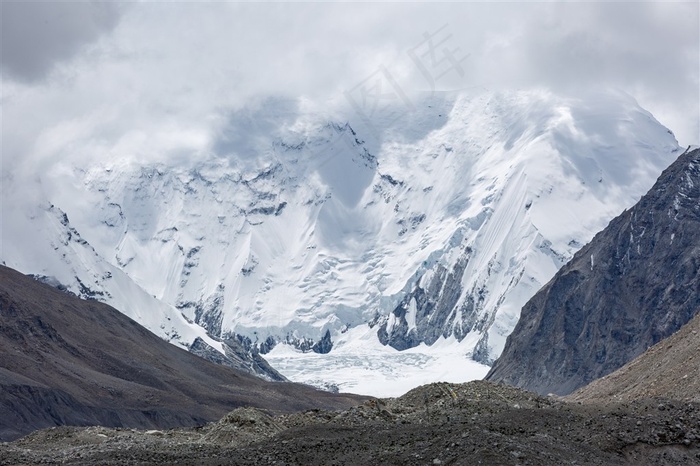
column 649, row 50
column 37, row 35
column 160, row 81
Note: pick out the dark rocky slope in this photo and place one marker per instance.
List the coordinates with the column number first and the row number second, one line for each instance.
column 636, row 283
column 437, row 424
column 66, row 361
column 669, row 369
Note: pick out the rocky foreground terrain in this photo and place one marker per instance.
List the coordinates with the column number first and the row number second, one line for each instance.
column 474, row 423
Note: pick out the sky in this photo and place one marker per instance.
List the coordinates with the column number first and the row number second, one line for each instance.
column 160, row 80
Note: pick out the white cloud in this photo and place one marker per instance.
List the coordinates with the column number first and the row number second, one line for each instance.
column 35, row 35
column 157, row 80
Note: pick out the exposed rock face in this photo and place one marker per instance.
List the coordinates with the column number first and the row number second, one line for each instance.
column 636, row 283
column 66, row 361
column 324, row 345
column 239, row 356
column 427, row 312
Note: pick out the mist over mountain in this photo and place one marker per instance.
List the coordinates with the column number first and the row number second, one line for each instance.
column 304, row 232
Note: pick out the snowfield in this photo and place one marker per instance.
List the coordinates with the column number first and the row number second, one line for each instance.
column 425, row 232
column 360, row 364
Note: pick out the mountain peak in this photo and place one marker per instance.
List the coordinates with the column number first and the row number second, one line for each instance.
column 425, row 226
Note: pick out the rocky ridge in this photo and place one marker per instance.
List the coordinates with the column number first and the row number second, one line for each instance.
column 636, row 283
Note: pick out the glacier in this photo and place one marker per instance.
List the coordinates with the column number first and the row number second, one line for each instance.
column 402, row 247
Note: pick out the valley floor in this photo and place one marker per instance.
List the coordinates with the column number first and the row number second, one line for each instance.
column 359, row 363
column 473, row 423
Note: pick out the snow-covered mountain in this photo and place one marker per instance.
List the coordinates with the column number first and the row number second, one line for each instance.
column 431, row 226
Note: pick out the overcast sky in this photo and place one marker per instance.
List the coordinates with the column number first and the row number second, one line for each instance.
column 102, row 80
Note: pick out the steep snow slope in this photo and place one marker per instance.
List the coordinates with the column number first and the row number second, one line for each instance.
column 41, row 238
column 436, row 223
